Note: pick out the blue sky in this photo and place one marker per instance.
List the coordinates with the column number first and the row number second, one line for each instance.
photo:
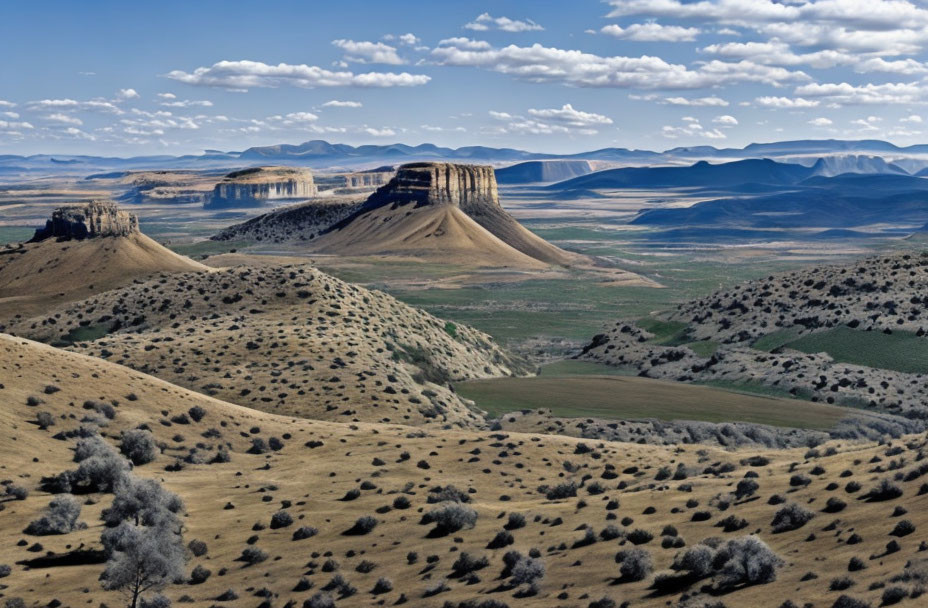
column 132, row 78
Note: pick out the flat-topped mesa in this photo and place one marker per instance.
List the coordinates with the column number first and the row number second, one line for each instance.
column 469, row 187
column 253, row 187
column 88, row 220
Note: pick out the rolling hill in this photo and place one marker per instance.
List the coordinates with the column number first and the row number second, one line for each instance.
column 383, row 514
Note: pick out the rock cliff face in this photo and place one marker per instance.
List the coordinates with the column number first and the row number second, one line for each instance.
column 464, row 186
column 447, row 209
column 254, row 187
column 368, row 179
column 87, row 220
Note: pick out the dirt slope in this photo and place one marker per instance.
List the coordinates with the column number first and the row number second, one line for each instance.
column 624, row 493
column 287, row 339
column 37, row 276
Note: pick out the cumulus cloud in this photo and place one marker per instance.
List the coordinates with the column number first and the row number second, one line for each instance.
column 538, row 63
column 567, row 115
column 652, row 32
column 865, row 94
column 691, row 127
column 172, row 102
column 821, row 121
column 384, row 132
column 785, row 102
column 548, row 121
column 485, row 22
column 244, row 75
column 7, row 104
column 335, row 103
column 94, row 105
column 914, row 118
column 65, row 119
column 124, row 94
column 369, row 52
column 694, row 101
column 725, row 120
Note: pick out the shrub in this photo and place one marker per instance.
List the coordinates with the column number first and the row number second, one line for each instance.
column 452, row 517
column 749, row 561
column 528, row 571
column 197, row 547
column 139, row 446
column 466, row 563
column 59, row 518
column 252, row 556
column 199, row 575
column 639, row 537
column 846, row 601
column 5, row 570
column 790, row 517
column 561, row 491
column 197, row 413
column 885, row 490
column 903, row 528
column 281, row 519
column 446, row 493
column 635, row 564
column 363, row 525
column 304, row 532
column 516, row 521
column 894, row 595
column 401, row 502
column 504, row 538
column 745, row 488
column 383, row 585
column 44, row 420
column 320, row 600
column 697, row 561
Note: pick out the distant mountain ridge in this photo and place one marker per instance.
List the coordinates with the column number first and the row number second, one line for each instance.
column 323, row 154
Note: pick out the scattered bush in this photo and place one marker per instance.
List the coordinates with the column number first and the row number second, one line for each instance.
column 452, row 517
column 635, row 564
column 281, row 519
column 138, row 446
column 790, row 517
column 363, row 525
column 59, row 518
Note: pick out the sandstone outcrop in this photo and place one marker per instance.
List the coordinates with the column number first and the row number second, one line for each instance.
column 444, row 210
column 299, row 222
column 254, row 187
column 87, row 220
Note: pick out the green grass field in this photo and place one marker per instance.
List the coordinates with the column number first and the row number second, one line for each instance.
column 901, row 351
column 618, row 397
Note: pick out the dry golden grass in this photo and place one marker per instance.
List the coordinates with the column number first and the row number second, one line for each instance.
column 38, row 276
column 501, row 473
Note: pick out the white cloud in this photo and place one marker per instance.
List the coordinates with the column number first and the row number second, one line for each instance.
column 538, row 63
column 13, row 128
column 725, row 120
column 385, row 132
column 94, row 105
column 652, row 32
column 407, row 39
column 167, row 96
column 243, row 75
column 124, row 94
column 187, row 103
column 914, row 118
column 690, row 128
column 821, row 121
column 7, row 104
column 335, row 103
column 694, row 101
column 567, row 115
column 867, row 124
column 78, row 134
column 866, row 94
column 564, row 120
column 369, row 52
column 485, row 22
column 66, row 119
column 785, row 102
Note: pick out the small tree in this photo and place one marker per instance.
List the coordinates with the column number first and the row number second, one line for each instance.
column 143, row 543
column 141, row 559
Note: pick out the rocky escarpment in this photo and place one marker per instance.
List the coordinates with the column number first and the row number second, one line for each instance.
column 443, row 209
column 254, row 187
column 87, row 220
column 466, row 186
